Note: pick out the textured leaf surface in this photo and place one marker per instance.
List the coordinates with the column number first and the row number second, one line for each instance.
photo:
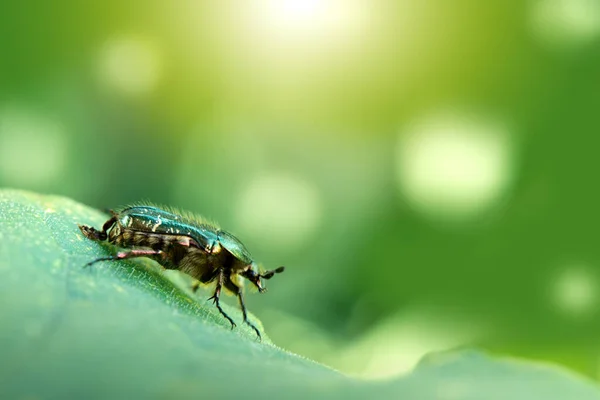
column 130, row 330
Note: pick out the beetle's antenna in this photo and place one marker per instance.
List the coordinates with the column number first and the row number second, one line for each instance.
column 269, row 274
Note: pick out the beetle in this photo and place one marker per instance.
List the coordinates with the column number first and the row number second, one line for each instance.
column 185, row 242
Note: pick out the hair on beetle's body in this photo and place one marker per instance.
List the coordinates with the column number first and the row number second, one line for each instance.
column 184, row 242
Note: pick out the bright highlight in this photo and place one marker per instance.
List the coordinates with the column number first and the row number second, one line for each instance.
column 290, row 17
column 453, row 166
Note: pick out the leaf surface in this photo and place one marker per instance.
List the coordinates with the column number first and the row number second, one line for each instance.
column 128, row 329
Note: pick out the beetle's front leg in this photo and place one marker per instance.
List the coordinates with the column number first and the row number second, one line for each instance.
column 246, row 320
column 215, row 298
column 123, row 255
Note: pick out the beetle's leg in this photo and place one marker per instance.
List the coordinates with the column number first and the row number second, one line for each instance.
column 94, row 234
column 215, row 298
column 246, row 320
column 122, row 255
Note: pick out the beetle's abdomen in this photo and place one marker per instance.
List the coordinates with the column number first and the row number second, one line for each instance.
column 178, row 252
column 128, row 238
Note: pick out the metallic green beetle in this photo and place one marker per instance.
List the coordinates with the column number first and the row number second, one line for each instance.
column 186, row 243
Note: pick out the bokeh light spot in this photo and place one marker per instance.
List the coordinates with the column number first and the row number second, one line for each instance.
column 566, row 22
column 33, row 148
column 396, row 345
column 281, row 209
column 575, row 291
column 129, row 65
column 453, row 166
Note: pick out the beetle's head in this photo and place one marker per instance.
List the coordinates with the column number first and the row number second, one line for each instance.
column 254, row 276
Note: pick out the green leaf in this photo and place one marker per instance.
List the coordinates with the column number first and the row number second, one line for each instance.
column 131, row 330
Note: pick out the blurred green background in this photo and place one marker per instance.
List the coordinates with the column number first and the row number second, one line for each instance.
column 426, row 170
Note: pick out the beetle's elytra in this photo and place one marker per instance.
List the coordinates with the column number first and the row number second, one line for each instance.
column 185, row 243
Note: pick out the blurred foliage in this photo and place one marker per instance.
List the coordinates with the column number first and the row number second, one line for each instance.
column 102, row 332
column 312, row 130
